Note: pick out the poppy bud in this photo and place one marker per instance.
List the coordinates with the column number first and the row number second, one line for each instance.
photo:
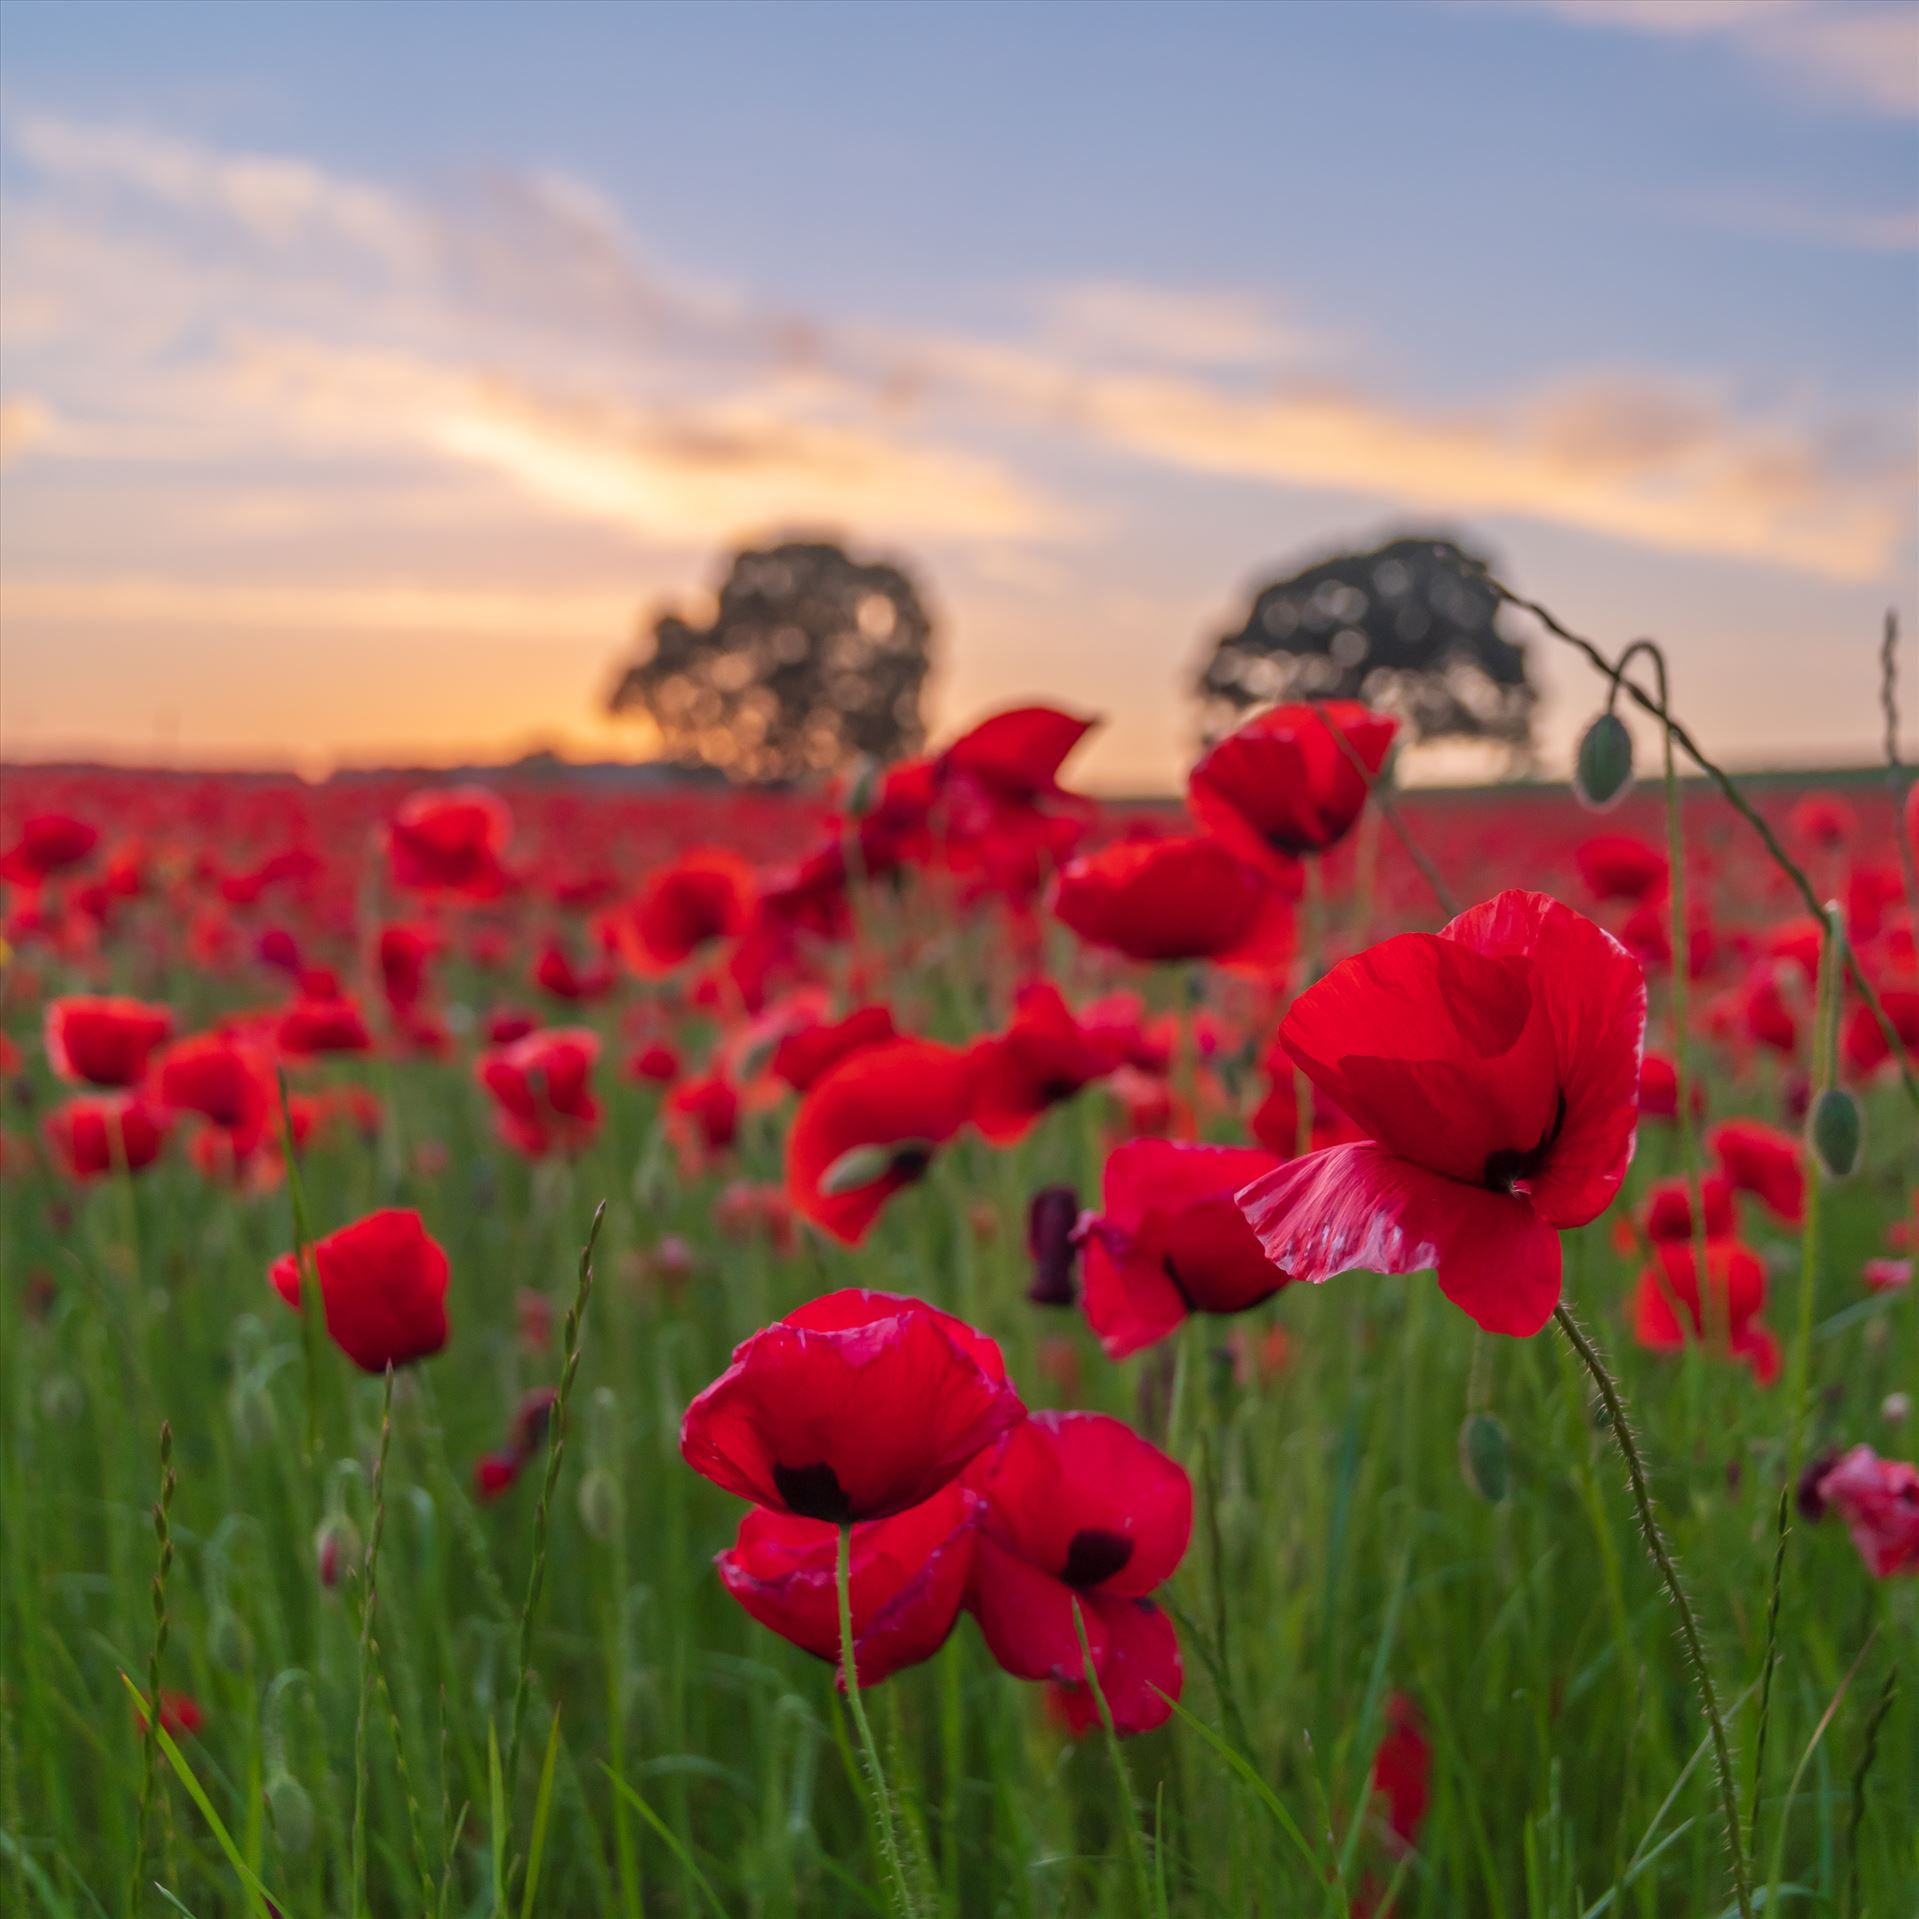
column 229, row 1644
column 290, row 1807
column 861, row 1166
column 1603, row 772
column 1050, row 1219
column 1484, row 1459
column 336, row 1549
column 1837, row 1131
column 599, row 1498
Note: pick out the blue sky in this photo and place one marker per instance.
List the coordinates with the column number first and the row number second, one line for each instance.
column 365, row 371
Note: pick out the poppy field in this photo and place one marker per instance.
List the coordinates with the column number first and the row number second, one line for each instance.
column 1315, row 1348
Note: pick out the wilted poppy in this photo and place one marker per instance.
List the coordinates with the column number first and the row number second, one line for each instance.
column 1084, row 1515
column 1172, row 1241
column 104, row 1042
column 382, row 1289
column 906, row 1579
column 855, row 1407
column 1177, row 899
column 1283, row 784
column 1494, row 1068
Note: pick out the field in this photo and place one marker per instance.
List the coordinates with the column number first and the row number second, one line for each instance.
column 427, row 1644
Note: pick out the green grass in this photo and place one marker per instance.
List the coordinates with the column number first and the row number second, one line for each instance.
column 700, row 1765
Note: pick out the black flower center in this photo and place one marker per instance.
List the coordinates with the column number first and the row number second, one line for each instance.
column 814, row 1492
column 1509, row 1165
column 1095, row 1556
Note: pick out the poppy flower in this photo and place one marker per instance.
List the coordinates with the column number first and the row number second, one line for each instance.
column 702, row 897
column 180, row 1715
column 655, row 1064
column 1659, row 1089
column 1865, row 1043
column 1282, row 785
column 555, row 973
column 1668, row 1308
column 1172, row 1241
column 871, row 1127
column 906, row 1578
column 806, row 1054
column 1879, row 1500
column 1403, row 1770
column 1615, row 866
column 1760, row 1160
column 1667, row 1212
column 704, row 1113
column 97, row 1135
column 542, row 1091
column 857, row 1406
column 1494, row 1069
column 311, row 1027
column 382, row 1289
column 223, row 1079
column 49, row 843
column 448, row 842
column 1822, row 820
column 494, row 1475
column 104, row 1042
column 1179, row 898
column 1043, row 1058
column 1082, row 1513
column 1015, row 755
column 1052, row 1217
column 402, row 953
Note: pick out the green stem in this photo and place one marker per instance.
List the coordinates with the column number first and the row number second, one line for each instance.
column 883, row 1826
column 1661, row 1554
column 1825, row 1030
column 369, row 1600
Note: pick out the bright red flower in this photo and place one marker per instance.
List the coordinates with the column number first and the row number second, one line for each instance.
column 49, row 843
column 555, row 973
column 656, row 1063
column 494, row 1475
column 1403, row 1770
column 705, row 1113
column 1082, row 1513
column 1281, row 785
column 1879, row 1499
column 448, row 841
column 1015, row 755
column 223, row 1079
column 1667, row 1212
column 403, row 953
column 97, row 1135
column 806, row 1054
column 1764, row 1162
column 180, row 1715
column 908, row 1575
column 1177, row 899
column 871, row 1127
column 1822, row 820
column 857, row 1406
column 1866, row 1046
column 1044, row 1057
column 310, row 1027
column 1668, row 1309
column 702, row 897
column 1494, row 1068
column 104, row 1042
column 382, row 1289
column 542, row 1090
column 1172, row 1241
column 1617, row 867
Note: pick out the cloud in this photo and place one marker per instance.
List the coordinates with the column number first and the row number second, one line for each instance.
column 24, row 423
column 1851, row 230
column 1199, row 327
column 1860, row 53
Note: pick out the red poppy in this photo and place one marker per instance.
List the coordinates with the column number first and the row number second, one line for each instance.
column 104, row 1042
column 806, row 1054
column 97, row 1135
column 310, row 1027
column 1618, row 867
column 857, row 1406
column 542, row 1090
column 655, row 1063
column 449, row 841
column 1667, row 1211
column 1764, row 1162
column 1177, row 899
column 1172, row 1241
column 1082, row 1513
column 907, row 1577
column 704, row 1113
column 702, row 897
column 494, row 1475
column 1866, row 1046
column 223, row 1079
column 382, row 1289
column 1668, row 1309
column 1879, row 1499
column 1283, row 785
column 555, row 973
column 1659, row 1089
column 49, row 843
column 1822, row 820
column 180, row 1715
column 1494, row 1068
column 1043, row 1058
column 1016, row 755
column 871, row 1127
column 403, row 952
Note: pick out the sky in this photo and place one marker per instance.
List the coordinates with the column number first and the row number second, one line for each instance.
column 370, row 374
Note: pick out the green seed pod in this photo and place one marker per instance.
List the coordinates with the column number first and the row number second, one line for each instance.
column 1837, row 1131
column 1484, row 1462
column 599, row 1498
column 1602, row 774
column 290, row 1807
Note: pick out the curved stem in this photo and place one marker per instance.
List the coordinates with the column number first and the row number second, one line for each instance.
column 883, row 1826
column 1662, row 1559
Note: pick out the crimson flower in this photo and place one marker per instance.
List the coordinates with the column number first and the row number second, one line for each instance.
column 554, row 972
column 223, row 1079
column 97, row 1135
column 1494, row 1069
column 104, row 1042
column 907, row 1577
column 1084, row 1515
column 542, row 1090
column 1879, row 1499
column 857, row 1406
column 1282, row 785
column 871, row 1127
column 402, row 953
column 1667, row 1210
column 1172, row 1241
column 1615, row 866
column 449, row 842
column 1044, row 1057
column 310, row 1027
column 1760, row 1160
column 49, row 843
column 382, row 1289
column 1668, row 1308
column 1177, row 899
column 702, row 897
column 806, row 1054
column 1015, row 755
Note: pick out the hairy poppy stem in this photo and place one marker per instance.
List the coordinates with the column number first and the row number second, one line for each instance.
column 875, row 1773
column 1662, row 1559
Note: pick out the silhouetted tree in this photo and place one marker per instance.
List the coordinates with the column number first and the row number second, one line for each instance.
column 811, row 660
column 1405, row 627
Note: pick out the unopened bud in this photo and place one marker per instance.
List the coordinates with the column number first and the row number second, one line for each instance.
column 1837, row 1130
column 1602, row 772
column 1484, row 1458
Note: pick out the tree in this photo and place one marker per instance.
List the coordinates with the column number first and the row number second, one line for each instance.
column 1406, row 627
column 812, row 659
